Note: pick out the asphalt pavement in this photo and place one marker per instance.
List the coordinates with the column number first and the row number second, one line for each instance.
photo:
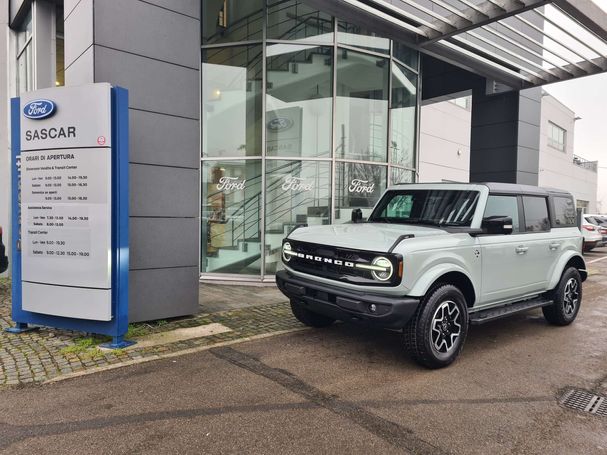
column 343, row 389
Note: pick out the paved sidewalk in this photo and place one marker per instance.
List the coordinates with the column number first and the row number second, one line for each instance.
column 48, row 353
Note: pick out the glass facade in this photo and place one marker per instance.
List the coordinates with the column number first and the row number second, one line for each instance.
column 304, row 118
column 25, row 56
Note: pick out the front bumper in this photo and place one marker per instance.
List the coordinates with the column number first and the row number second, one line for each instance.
column 346, row 305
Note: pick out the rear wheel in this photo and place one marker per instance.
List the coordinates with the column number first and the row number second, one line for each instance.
column 310, row 318
column 566, row 297
column 435, row 335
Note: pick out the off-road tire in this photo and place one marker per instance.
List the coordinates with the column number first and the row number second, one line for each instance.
column 310, row 318
column 417, row 334
column 560, row 312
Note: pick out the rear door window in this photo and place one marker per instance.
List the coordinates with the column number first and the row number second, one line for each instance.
column 536, row 214
column 564, row 212
column 503, row 206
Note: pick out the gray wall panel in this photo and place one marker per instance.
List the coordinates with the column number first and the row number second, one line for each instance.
column 163, row 242
column 495, row 159
column 495, row 135
column 81, row 71
column 163, row 191
column 529, row 111
column 526, row 178
column 153, row 85
column 529, row 136
column 167, row 36
column 507, row 149
column 166, row 293
column 78, row 31
column 188, row 7
column 487, row 112
column 14, row 6
column 164, row 139
column 528, row 158
column 68, row 7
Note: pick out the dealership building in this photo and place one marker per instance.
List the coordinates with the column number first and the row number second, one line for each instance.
column 444, row 149
column 251, row 117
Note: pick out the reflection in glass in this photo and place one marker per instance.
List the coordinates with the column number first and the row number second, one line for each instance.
column 225, row 21
column 405, row 54
column 59, row 47
column 297, row 192
column 294, row 20
column 402, row 116
column 230, row 217
column 355, row 35
column 361, row 127
column 357, row 186
column 398, row 175
column 25, row 59
column 232, row 101
column 298, row 102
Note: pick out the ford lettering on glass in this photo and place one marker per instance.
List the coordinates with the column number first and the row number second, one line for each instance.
column 296, row 184
column 230, row 184
column 280, row 124
column 361, row 186
column 39, row 109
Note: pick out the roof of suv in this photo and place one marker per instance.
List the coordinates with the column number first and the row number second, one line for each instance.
column 516, row 188
column 506, row 188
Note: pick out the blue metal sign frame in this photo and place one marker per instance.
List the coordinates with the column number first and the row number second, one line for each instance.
column 118, row 325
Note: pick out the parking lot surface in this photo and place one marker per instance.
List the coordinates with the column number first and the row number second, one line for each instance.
column 343, row 389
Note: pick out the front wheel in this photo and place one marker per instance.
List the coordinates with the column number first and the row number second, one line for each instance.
column 566, row 297
column 435, row 335
column 310, row 318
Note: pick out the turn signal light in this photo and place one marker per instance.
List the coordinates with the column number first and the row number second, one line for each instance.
column 400, row 269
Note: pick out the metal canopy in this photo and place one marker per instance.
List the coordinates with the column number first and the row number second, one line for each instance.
column 520, row 43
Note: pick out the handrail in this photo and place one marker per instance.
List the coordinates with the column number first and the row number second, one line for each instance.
column 586, row 164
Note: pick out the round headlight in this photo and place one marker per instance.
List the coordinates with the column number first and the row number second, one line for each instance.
column 382, row 275
column 286, row 256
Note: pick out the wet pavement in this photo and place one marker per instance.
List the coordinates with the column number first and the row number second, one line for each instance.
column 343, row 389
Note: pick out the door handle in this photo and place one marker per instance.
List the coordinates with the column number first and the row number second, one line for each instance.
column 521, row 249
column 554, row 246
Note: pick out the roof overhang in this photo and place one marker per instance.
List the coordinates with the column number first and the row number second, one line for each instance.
column 519, row 43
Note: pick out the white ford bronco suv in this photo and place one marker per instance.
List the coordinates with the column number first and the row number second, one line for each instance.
column 434, row 258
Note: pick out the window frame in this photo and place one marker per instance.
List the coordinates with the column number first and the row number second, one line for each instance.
column 561, row 147
column 519, row 208
column 523, row 219
column 552, row 210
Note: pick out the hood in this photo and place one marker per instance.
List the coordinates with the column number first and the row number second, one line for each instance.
column 364, row 236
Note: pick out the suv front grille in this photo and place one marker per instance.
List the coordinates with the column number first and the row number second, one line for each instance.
column 340, row 263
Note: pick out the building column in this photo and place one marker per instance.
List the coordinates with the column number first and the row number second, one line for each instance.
column 5, row 160
column 151, row 48
column 505, row 137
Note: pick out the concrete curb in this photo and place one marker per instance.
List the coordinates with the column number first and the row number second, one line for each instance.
column 168, row 355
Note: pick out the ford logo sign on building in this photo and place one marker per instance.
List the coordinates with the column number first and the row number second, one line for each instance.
column 280, row 124
column 39, row 109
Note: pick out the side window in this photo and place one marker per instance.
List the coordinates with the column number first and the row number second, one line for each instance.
column 564, row 212
column 536, row 214
column 503, row 206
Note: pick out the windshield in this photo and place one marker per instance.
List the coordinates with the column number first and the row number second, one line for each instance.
column 432, row 207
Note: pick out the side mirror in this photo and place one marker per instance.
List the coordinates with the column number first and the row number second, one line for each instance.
column 497, row 225
column 357, row 215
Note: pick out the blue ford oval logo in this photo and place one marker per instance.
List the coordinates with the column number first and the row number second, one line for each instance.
column 280, row 124
column 39, row 109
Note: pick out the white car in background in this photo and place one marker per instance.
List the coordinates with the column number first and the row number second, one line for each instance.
column 592, row 235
